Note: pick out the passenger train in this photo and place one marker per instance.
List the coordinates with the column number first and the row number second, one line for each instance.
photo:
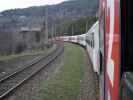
column 89, row 40
column 109, row 43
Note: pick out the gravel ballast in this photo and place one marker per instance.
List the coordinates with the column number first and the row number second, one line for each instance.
column 32, row 88
column 89, row 85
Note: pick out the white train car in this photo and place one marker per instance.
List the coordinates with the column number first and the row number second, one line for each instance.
column 81, row 39
column 73, row 39
column 90, row 40
column 92, row 45
column 64, row 38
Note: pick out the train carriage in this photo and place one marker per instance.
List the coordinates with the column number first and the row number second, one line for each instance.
column 92, row 46
column 81, row 39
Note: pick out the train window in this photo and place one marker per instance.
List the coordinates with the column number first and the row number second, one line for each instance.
column 93, row 39
column 127, row 36
column 88, row 39
column 91, row 43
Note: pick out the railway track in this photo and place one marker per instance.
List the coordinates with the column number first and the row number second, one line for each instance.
column 11, row 82
column 22, row 67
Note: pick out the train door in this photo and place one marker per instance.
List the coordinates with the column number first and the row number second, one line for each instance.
column 127, row 50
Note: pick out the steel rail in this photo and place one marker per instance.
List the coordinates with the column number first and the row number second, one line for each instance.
column 25, row 66
column 15, row 80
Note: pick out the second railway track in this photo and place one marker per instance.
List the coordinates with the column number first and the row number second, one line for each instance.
column 14, row 80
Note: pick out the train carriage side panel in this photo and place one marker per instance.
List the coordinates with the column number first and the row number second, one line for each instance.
column 92, row 43
column 96, row 46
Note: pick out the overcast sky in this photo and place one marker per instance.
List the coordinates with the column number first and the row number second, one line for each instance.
column 9, row 4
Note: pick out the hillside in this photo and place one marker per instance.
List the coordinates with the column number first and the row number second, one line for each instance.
column 68, row 10
column 17, row 26
column 78, row 26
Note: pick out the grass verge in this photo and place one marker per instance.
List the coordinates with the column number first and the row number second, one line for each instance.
column 26, row 55
column 65, row 84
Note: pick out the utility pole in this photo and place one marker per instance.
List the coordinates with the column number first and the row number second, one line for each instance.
column 52, row 33
column 55, row 32
column 72, row 30
column 61, row 30
column 86, row 26
column 46, row 25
